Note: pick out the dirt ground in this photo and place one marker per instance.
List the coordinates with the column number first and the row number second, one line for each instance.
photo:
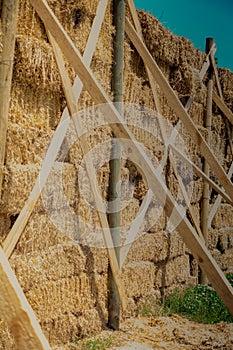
column 162, row 333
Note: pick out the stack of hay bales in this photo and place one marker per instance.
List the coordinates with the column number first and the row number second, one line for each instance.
column 67, row 283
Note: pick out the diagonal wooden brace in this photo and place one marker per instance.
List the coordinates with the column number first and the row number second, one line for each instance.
column 72, row 106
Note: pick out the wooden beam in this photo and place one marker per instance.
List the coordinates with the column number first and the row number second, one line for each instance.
column 187, row 232
column 223, row 107
column 100, row 207
column 16, row 311
column 206, row 168
column 176, row 105
column 9, row 25
column 56, row 142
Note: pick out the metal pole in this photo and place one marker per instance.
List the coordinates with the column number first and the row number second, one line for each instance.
column 9, row 12
column 115, row 163
column 206, row 169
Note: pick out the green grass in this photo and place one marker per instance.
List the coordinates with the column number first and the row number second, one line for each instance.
column 200, row 303
column 96, row 344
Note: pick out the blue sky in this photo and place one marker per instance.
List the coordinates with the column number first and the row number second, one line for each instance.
column 198, row 20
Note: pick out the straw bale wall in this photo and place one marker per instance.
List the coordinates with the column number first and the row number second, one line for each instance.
column 65, row 282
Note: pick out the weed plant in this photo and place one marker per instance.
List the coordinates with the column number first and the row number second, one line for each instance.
column 200, row 303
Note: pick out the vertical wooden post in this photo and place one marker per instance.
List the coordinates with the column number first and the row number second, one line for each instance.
column 206, row 169
column 114, row 217
column 9, row 12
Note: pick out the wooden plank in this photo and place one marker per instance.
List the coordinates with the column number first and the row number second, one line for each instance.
column 199, row 172
column 100, row 207
column 204, row 205
column 187, row 232
column 222, row 106
column 56, row 142
column 217, row 203
column 16, row 311
column 9, row 26
column 176, row 105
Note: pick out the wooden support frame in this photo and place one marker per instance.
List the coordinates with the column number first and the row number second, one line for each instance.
column 188, row 104
column 101, row 211
column 153, row 85
column 176, row 105
column 199, row 172
column 17, row 312
column 56, row 142
column 202, row 73
column 225, row 110
column 190, row 237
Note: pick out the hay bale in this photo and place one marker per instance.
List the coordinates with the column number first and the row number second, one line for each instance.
column 196, row 211
column 26, row 145
column 138, row 279
column 6, row 339
column 34, row 106
column 17, row 185
column 213, row 237
column 75, row 294
column 189, row 282
column 176, row 245
column 132, row 88
column 59, row 297
column 35, row 64
column 19, row 181
column 129, row 212
column 165, row 46
column 65, row 328
column 226, row 81
column 227, row 261
column 57, row 262
column 197, row 113
column 149, row 247
column 197, row 191
column 39, row 234
column 174, row 271
column 223, row 217
column 61, row 329
column 155, row 219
